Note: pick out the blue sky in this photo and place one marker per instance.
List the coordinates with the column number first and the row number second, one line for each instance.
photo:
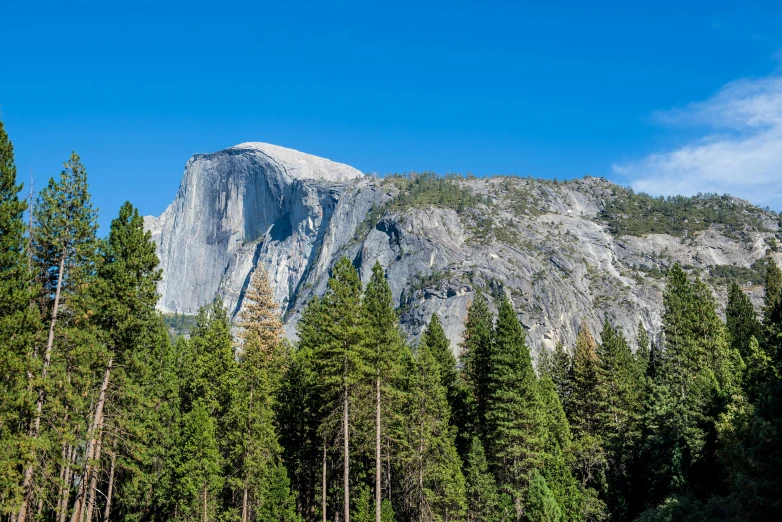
column 661, row 96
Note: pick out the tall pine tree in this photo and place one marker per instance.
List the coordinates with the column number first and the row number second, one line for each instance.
column 384, row 340
column 18, row 326
column 514, row 413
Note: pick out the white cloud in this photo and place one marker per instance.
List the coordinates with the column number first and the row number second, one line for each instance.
column 740, row 155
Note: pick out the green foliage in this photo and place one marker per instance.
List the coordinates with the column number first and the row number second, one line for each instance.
column 628, row 213
column 18, row 325
column 456, row 390
column 438, row 490
column 741, row 320
column 484, row 501
column 65, row 231
column 196, row 464
column 427, row 189
column 422, row 190
column 621, row 385
column 754, row 275
column 514, row 416
column 386, row 511
column 476, row 358
column 341, row 356
column 279, row 502
column 695, row 372
column 773, row 286
column 363, row 506
column 542, row 506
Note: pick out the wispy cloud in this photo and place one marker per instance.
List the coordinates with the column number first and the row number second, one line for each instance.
column 740, row 153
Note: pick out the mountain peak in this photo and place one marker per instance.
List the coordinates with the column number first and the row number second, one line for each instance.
column 301, row 165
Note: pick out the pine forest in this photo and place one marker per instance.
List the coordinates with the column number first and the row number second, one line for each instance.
column 105, row 417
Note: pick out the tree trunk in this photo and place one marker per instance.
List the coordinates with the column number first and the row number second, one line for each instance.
column 94, row 479
column 346, row 456
column 97, row 425
column 323, row 499
column 61, row 478
column 244, row 505
column 205, row 503
column 378, row 467
column 27, row 482
column 110, row 490
column 63, row 515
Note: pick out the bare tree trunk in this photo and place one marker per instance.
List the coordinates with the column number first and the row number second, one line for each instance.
column 346, row 456
column 63, row 515
column 205, row 503
column 97, row 425
column 65, row 480
column 244, row 505
column 27, row 482
column 94, row 479
column 110, row 490
column 323, row 499
column 61, row 478
column 378, row 466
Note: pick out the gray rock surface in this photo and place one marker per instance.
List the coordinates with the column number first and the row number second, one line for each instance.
column 541, row 243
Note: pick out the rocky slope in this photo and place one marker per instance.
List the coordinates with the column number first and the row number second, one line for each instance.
column 547, row 245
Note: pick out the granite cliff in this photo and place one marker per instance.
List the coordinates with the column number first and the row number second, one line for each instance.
column 559, row 250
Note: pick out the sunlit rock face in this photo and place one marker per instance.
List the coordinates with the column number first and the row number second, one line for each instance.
column 296, row 214
column 253, row 203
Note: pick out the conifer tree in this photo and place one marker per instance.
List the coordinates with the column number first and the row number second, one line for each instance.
column 484, row 501
column 457, row 391
column 586, row 406
column 196, row 466
column 298, row 415
column 586, row 400
column 18, row 326
column 123, row 295
column 476, row 350
column 558, row 453
column 557, row 368
column 643, row 349
column 434, row 337
column 255, row 454
column 542, row 506
column 385, row 342
column 208, row 377
column 142, row 427
column 434, row 481
column 64, row 253
column 514, row 414
column 696, row 371
column 773, row 286
column 342, row 358
column 620, row 388
column 751, row 432
column 741, row 320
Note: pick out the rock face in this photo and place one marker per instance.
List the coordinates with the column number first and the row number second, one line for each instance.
column 541, row 243
column 252, row 203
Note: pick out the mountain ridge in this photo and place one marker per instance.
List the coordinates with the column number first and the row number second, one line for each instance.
column 548, row 245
